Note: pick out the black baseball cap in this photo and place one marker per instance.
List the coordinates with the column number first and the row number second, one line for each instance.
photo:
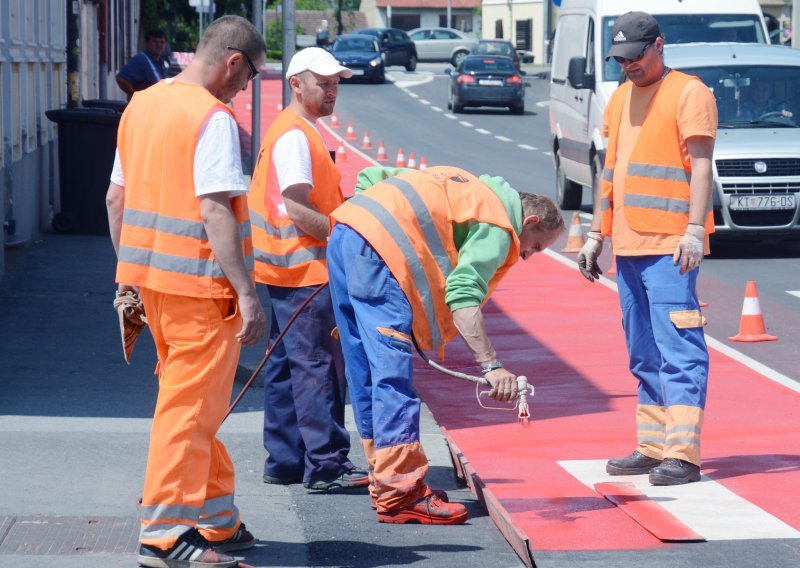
column 631, row 32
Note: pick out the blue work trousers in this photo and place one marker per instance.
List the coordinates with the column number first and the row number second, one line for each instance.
column 304, row 391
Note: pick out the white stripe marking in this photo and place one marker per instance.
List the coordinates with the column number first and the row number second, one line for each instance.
column 547, row 153
column 451, row 116
column 465, row 123
column 707, row 507
column 482, row 131
column 526, row 147
column 503, row 139
column 437, row 109
column 425, row 102
column 794, row 293
column 543, row 104
column 415, row 95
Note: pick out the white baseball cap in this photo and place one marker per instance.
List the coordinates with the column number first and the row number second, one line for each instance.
column 316, row 60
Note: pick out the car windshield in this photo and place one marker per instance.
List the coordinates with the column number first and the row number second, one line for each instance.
column 355, row 44
column 488, row 64
column 491, row 48
column 752, row 97
column 692, row 28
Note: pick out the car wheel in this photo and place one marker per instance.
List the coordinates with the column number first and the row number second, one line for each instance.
column 449, row 99
column 458, row 57
column 411, row 65
column 457, row 107
column 518, row 109
column 568, row 193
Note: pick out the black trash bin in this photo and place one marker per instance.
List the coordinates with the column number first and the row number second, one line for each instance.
column 87, row 140
column 114, row 104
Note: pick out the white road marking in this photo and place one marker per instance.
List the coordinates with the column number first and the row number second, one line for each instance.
column 425, row 102
column 543, row 104
column 465, row 123
column 437, row 109
column 451, row 116
column 707, row 507
column 503, row 139
column 482, row 131
column 412, row 79
column 412, row 94
column 794, row 292
column 547, row 153
column 526, row 147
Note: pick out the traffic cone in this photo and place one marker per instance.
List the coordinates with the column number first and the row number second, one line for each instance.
column 423, row 164
column 412, row 161
column 400, row 162
column 751, row 326
column 341, row 153
column 575, row 239
column 334, row 121
column 351, row 134
column 382, row 157
column 366, row 144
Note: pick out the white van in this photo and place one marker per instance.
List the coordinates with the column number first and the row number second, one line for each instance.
column 581, row 81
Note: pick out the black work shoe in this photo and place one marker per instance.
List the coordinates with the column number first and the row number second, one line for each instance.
column 348, row 480
column 274, row 480
column 242, row 539
column 634, row 464
column 191, row 550
column 673, row 471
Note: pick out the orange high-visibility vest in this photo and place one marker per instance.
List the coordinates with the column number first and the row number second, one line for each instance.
column 163, row 244
column 284, row 254
column 408, row 220
column 656, row 192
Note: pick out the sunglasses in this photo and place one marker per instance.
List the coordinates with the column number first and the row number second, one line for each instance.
column 624, row 60
column 254, row 72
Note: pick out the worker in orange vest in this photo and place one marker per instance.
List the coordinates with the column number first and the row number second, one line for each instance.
column 655, row 204
column 295, row 187
column 178, row 216
column 414, row 256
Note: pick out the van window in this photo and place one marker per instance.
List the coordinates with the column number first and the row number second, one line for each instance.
column 571, row 30
column 691, row 28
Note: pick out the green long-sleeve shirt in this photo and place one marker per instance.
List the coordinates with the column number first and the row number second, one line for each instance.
column 482, row 247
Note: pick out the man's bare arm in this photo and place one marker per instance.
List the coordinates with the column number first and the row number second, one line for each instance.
column 300, row 210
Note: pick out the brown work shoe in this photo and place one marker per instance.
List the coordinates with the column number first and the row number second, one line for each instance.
column 191, row 550
column 440, row 493
column 428, row 511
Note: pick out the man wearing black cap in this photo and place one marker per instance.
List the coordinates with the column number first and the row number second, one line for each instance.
column 655, row 204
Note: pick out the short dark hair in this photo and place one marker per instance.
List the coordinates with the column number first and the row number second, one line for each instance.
column 150, row 34
column 231, row 31
column 550, row 218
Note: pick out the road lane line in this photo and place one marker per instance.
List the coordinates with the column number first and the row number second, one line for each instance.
column 526, row 147
column 424, row 101
column 482, row 131
column 437, row 109
column 543, row 104
column 465, row 123
column 707, row 507
column 503, row 139
column 412, row 94
column 794, row 292
column 451, row 116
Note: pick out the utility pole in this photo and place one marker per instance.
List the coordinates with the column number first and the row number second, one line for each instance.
column 289, row 42
column 449, row 14
column 73, row 53
column 548, row 27
column 255, row 139
column 795, row 23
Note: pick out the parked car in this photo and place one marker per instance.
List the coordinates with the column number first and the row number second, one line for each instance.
column 496, row 47
column 441, row 44
column 361, row 54
column 396, row 47
column 481, row 80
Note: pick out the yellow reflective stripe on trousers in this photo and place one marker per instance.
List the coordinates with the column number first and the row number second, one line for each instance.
column 172, row 512
column 407, row 249
column 650, row 433
column 173, row 263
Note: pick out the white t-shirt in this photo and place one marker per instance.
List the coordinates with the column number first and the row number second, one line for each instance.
column 292, row 158
column 217, row 167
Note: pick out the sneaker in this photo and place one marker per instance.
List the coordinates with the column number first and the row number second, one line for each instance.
column 440, row 493
column 634, row 464
column 348, row 480
column 242, row 539
column 191, row 550
column 428, row 511
column 274, row 480
column 673, row 471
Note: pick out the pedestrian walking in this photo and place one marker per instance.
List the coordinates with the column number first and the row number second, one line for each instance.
column 413, row 257
column 655, row 204
column 295, row 187
column 179, row 223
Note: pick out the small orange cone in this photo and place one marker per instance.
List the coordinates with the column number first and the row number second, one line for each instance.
column 400, row 162
column 351, row 134
column 382, row 157
column 423, row 164
column 366, row 143
column 341, row 153
column 751, row 326
column 334, row 121
column 412, row 161
column 575, row 239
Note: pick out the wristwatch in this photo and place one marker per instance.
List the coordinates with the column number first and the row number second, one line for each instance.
column 491, row 367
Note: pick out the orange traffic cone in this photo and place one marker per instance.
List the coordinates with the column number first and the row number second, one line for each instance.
column 575, row 239
column 412, row 161
column 400, row 162
column 341, row 153
column 382, row 157
column 351, row 134
column 751, row 326
column 366, row 144
column 423, row 164
column 334, row 121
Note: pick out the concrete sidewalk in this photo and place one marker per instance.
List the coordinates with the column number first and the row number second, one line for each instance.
column 74, row 426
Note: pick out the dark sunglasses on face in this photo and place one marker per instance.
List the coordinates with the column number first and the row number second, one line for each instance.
column 253, row 71
column 624, row 60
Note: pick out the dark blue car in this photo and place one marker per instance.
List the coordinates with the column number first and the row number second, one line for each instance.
column 360, row 54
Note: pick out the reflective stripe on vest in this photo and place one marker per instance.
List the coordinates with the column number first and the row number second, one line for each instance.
column 279, row 232
column 176, row 264
column 294, row 258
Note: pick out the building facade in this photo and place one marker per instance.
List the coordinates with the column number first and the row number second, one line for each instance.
column 410, row 14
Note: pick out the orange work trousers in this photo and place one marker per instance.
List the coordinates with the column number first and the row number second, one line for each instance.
column 189, row 481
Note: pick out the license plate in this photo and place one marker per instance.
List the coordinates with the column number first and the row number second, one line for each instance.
column 490, row 83
column 762, row 202
column 357, row 71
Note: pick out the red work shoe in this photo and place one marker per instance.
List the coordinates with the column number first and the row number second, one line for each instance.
column 440, row 493
column 428, row 511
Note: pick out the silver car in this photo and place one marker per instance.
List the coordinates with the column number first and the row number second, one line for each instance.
column 757, row 152
column 441, row 44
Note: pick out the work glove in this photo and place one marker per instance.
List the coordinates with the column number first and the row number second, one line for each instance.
column 689, row 252
column 132, row 318
column 588, row 255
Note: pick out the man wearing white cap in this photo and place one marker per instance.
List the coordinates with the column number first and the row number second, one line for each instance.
column 295, row 187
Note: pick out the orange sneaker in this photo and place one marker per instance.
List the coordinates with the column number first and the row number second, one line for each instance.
column 428, row 511
column 440, row 493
